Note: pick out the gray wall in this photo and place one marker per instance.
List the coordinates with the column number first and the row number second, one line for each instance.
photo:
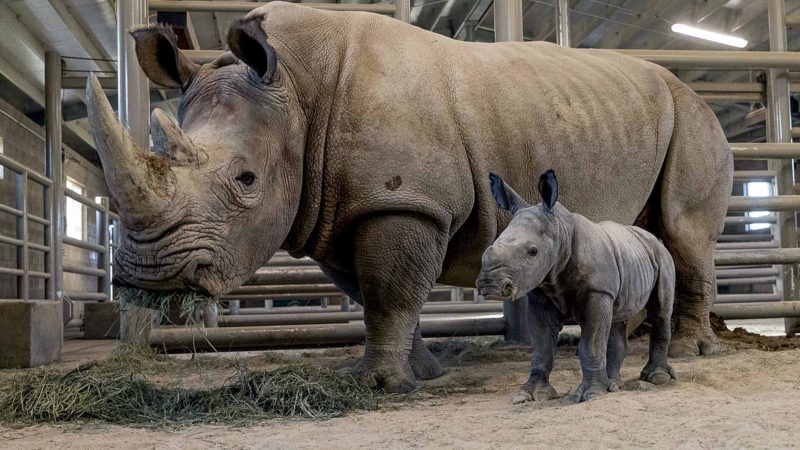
column 23, row 141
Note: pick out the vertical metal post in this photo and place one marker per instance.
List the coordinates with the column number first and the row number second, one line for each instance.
column 54, row 169
column 456, row 294
column 469, row 30
column 508, row 28
column 562, row 23
column 779, row 129
column 104, row 258
column 23, row 281
column 345, row 303
column 403, row 11
column 132, row 89
column 234, row 307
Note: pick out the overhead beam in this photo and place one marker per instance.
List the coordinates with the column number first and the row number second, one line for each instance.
column 244, row 7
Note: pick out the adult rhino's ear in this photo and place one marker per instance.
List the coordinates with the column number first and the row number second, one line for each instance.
column 248, row 41
column 505, row 197
column 159, row 57
column 548, row 190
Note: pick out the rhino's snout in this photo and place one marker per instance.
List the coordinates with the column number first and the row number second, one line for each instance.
column 490, row 288
column 507, row 288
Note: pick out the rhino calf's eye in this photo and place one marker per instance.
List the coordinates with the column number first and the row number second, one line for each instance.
column 533, row 251
column 246, row 178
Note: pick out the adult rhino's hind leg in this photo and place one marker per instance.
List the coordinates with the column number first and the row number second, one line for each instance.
column 397, row 260
column 695, row 189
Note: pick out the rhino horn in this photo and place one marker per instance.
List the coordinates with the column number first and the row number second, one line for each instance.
column 170, row 142
column 140, row 182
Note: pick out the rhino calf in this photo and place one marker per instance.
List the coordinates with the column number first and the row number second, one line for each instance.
column 599, row 274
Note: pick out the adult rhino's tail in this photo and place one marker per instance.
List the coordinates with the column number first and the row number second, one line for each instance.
column 688, row 212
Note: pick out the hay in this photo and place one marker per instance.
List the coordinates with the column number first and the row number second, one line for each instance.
column 187, row 302
column 105, row 391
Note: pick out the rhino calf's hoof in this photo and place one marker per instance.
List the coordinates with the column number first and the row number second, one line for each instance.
column 658, row 374
column 539, row 394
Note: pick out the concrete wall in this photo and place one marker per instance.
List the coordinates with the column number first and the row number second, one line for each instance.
column 23, row 140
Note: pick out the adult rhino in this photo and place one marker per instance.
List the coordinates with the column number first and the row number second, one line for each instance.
column 366, row 144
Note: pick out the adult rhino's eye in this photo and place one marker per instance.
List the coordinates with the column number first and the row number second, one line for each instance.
column 246, row 178
column 533, row 251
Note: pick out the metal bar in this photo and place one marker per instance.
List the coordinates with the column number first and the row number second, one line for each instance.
column 35, row 274
column 89, row 203
column 84, row 245
column 227, row 339
column 288, row 261
column 133, row 90
column 792, row 20
column 752, row 272
column 428, row 308
column 508, row 28
column 747, row 237
column 713, row 86
column 244, row 7
column 10, row 271
column 731, row 97
column 18, row 167
column 748, row 298
column 21, row 202
column 287, row 275
column 779, row 129
column 562, row 23
column 745, row 245
column 774, row 203
column 104, row 256
column 754, row 175
column 750, row 219
column 54, row 195
column 87, row 296
column 768, row 256
column 269, row 297
column 402, row 10
column 38, row 247
column 9, row 210
column 39, row 220
column 84, row 270
column 717, row 59
column 757, row 310
column 766, row 151
column 740, row 281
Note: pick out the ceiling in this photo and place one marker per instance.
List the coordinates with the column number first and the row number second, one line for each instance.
column 84, row 32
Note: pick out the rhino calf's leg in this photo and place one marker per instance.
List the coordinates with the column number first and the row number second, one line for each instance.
column 545, row 322
column 659, row 312
column 615, row 353
column 594, row 316
column 397, row 260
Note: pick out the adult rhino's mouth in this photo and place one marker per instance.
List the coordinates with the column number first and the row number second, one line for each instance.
column 192, row 269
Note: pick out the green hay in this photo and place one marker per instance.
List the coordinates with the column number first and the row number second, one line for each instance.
column 104, row 391
column 187, row 302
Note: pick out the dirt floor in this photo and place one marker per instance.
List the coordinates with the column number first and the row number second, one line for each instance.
column 747, row 397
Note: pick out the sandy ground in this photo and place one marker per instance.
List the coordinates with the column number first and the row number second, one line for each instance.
column 744, row 398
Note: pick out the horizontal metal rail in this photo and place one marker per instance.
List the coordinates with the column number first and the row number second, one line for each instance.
column 226, row 339
column 86, row 296
column 712, row 86
column 749, row 272
column 767, row 256
column 754, row 175
column 766, row 151
column 287, row 275
column 84, row 270
column 22, row 168
column 84, row 245
column 773, row 203
column 747, row 237
column 741, row 220
column 748, row 298
column 89, row 203
column 746, row 245
column 744, row 281
column 243, row 7
column 710, row 60
column 769, row 310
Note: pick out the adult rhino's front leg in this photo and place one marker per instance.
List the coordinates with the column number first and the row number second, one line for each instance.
column 424, row 365
column 397, row 260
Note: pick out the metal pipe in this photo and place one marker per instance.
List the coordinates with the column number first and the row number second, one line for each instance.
column 745, row 245
column 745, row 281
column 402, row 10
column 731, row 97
column 18, row 167
column 133, row 90
column 562, row 23
column 747, row 237
column 741, row 220
column 244, row 7
column 757, row 310
column 428, row 308
column 754, row 175
column 104, row 257
column 227, row 339
column 713, row 86
column 54, row 188
column 768, row 256
column 287, row 275
column 766, row 151
column 21, row 202
column 745, row 298
column 717, row 59
column 774, row 203
column 751, row 272
column 84, row 270
column 72, row 242
column 87, row 296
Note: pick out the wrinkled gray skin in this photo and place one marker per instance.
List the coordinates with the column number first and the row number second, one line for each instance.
column 364, row 143
column 599, row 274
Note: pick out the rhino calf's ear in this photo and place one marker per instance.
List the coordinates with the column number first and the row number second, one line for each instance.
column 159, row 57
column 248, row 41
column 506, row 197
column 548, row 190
